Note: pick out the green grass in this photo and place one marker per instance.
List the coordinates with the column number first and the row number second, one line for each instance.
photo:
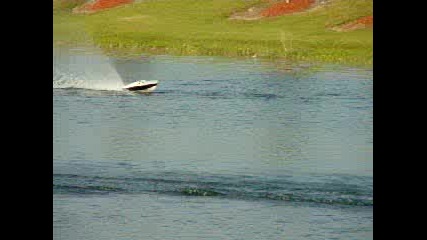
column 66, row 5
column 202, row 27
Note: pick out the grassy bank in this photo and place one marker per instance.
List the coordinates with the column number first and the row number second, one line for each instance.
column 200, row 27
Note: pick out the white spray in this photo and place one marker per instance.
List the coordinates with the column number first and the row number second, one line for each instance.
column 84, row 68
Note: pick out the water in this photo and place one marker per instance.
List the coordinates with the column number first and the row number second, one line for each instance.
column 84, row 68
column 223, row 149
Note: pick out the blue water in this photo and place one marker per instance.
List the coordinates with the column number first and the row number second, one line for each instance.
column 223, row 149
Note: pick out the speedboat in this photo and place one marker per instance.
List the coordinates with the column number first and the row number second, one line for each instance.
column 142, row 86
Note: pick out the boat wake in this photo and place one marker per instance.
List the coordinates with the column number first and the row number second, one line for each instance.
column 88, row 71
column 64, row 81
column 334, row 190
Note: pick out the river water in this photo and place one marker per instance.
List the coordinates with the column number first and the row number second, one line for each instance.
column 223, row 149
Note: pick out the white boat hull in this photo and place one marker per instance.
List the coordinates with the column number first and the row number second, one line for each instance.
column 142, row 86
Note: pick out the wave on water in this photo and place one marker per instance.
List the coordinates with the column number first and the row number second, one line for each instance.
column 354, row 191
column 64, row 81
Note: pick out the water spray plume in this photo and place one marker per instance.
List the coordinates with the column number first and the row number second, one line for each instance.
column 84, row 68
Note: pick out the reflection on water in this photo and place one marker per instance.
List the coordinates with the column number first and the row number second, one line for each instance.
column 295, row 134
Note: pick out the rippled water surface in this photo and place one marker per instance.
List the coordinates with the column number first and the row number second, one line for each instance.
column 223, row 149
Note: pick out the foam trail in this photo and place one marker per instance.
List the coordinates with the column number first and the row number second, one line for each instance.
column 84, row 69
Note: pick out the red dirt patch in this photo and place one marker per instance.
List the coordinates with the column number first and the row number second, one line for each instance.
column 98, row 5
column 368, row 20
column 286, row 7
column 363, row 22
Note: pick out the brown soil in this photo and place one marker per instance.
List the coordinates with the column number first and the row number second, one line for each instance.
column 252, row 13
column 273, row 8
column 363, row 22
column 97, row 5
column 286, row 7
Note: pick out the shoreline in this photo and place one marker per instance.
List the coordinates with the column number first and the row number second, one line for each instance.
column 132, row 53
column 206, row 30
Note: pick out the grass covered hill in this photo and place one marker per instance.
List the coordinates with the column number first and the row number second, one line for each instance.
column 310, row 30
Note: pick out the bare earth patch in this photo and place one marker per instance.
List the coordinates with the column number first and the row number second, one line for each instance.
column 253, row 13
column 361, row 23
column 286, row 7
column 98, row 5
column 273, row 8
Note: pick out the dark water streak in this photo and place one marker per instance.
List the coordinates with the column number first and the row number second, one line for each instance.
column 345, row 190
